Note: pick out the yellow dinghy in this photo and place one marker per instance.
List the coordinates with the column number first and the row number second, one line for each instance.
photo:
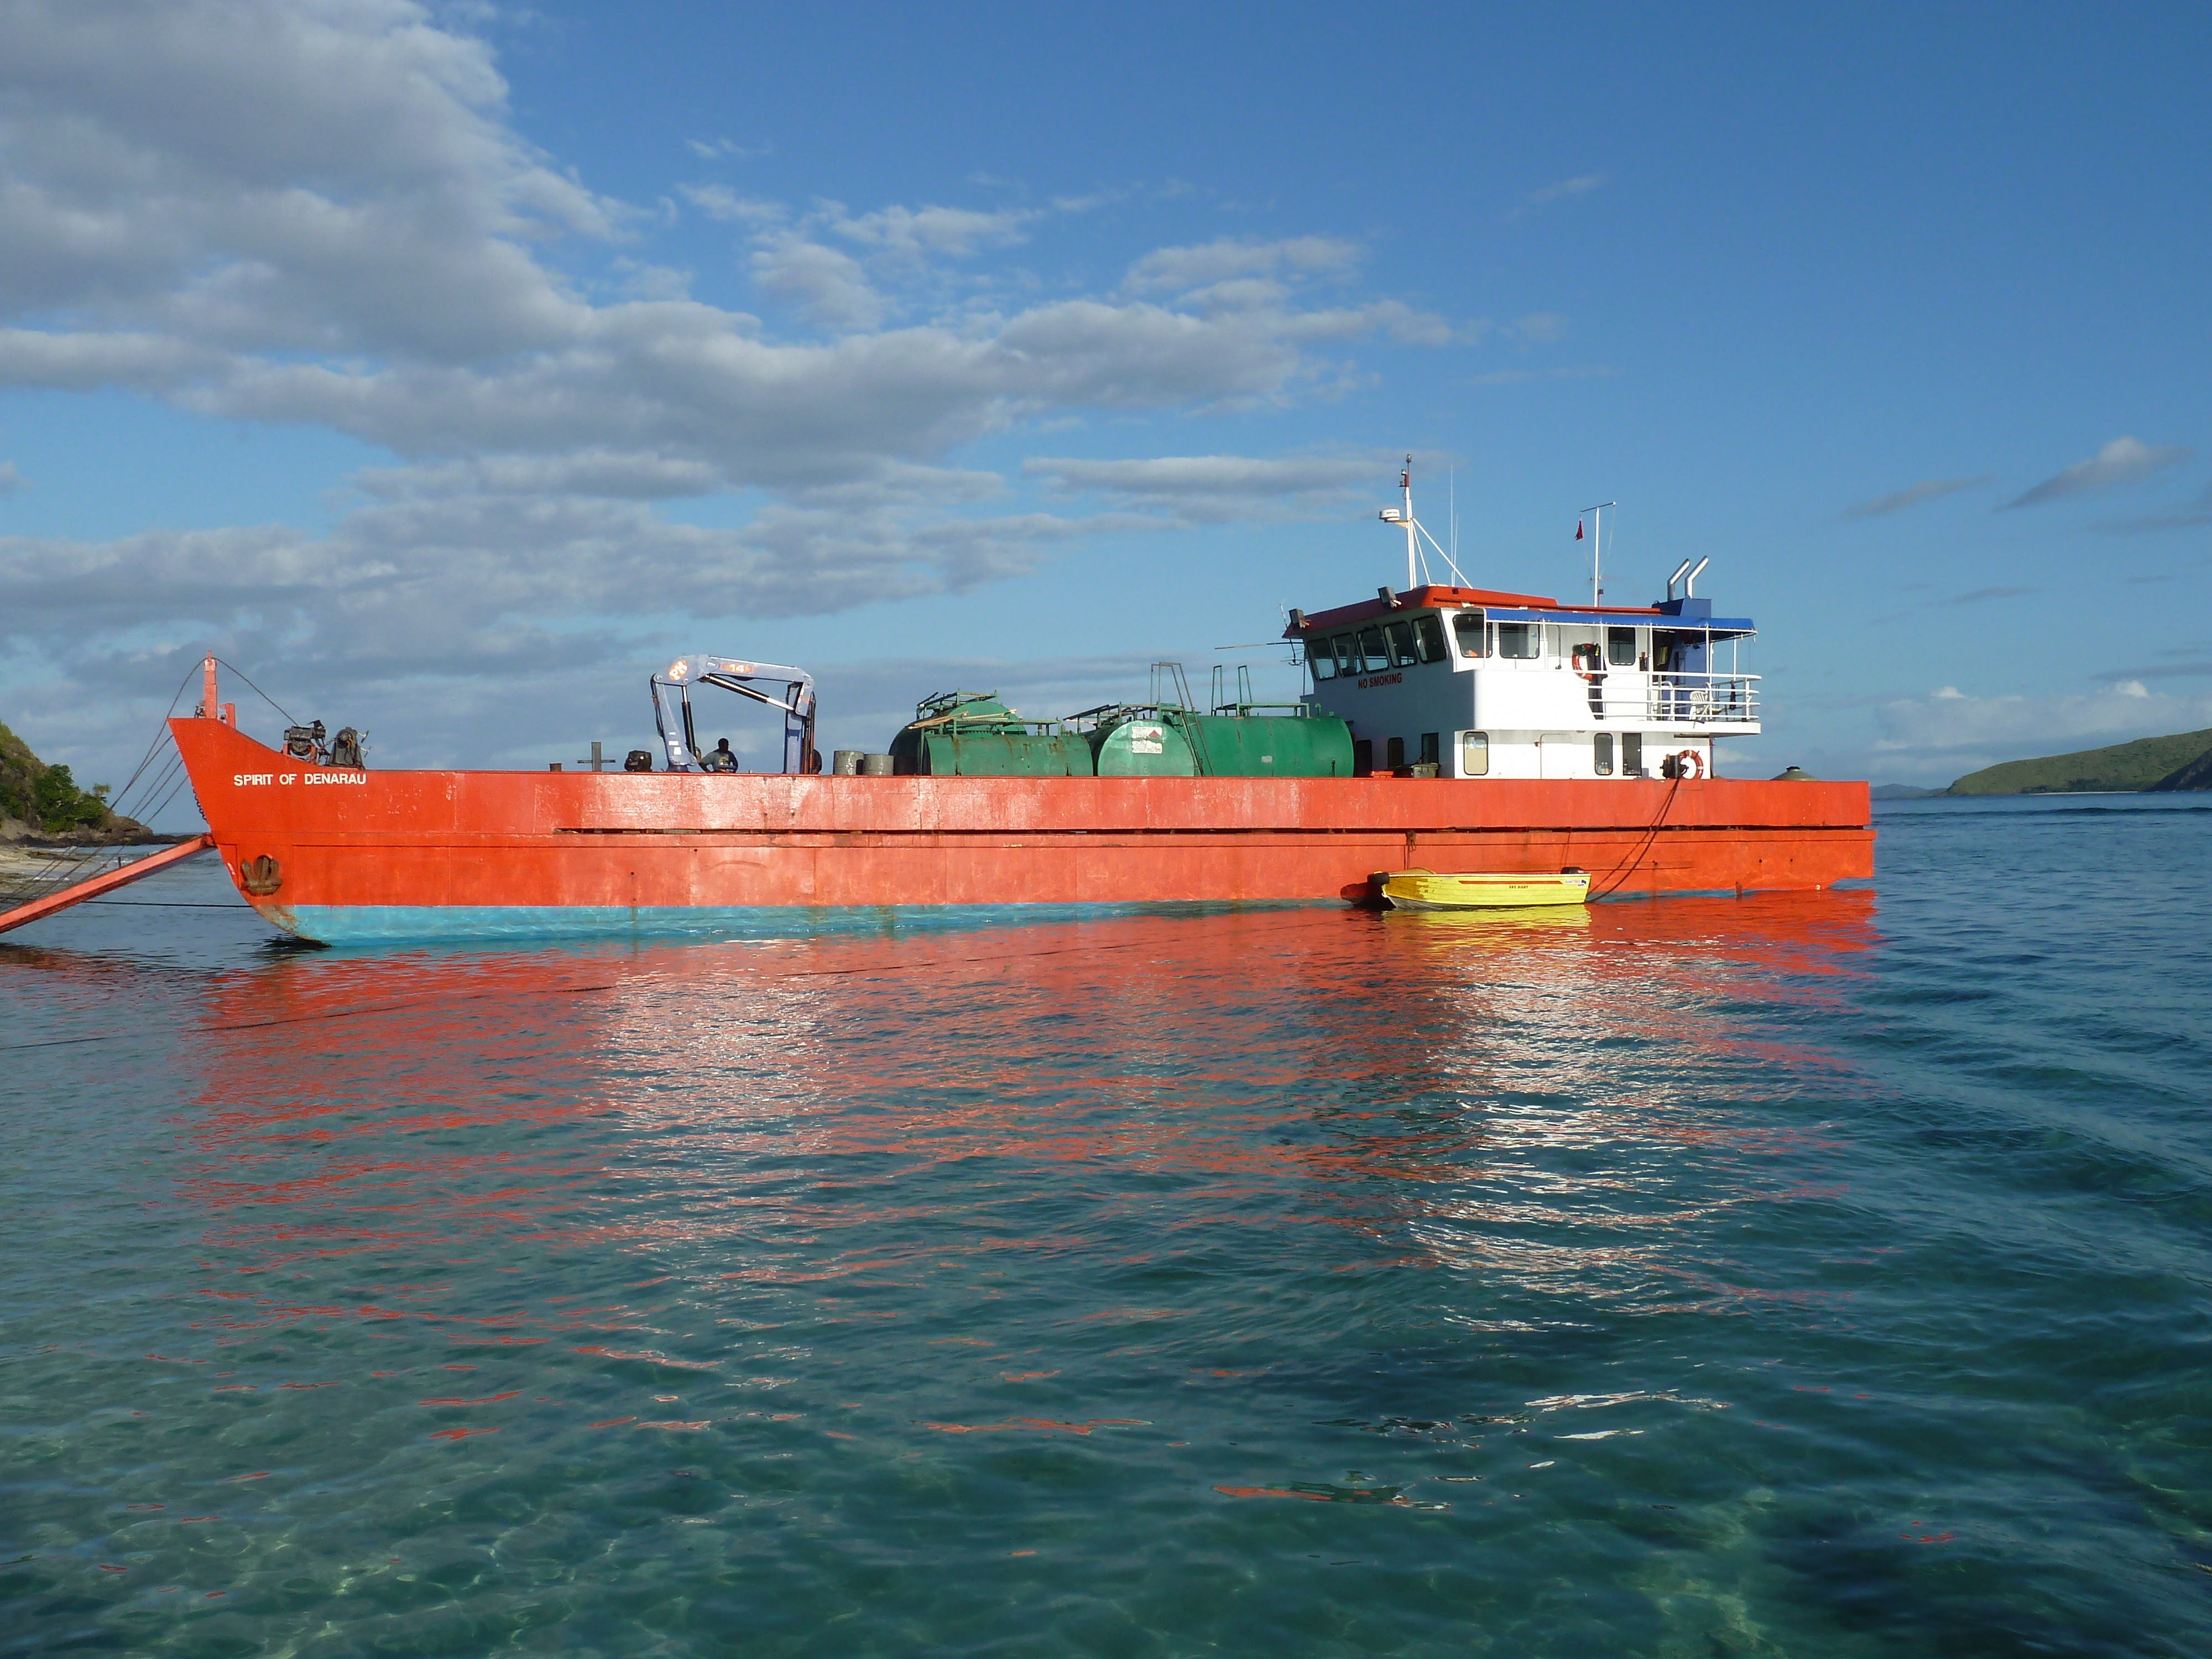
column 1425, row 890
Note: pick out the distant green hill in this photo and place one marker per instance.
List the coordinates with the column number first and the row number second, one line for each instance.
column 2146, row 763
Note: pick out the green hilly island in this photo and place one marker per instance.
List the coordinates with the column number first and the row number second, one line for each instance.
column 43, row 802
column 2181, row 761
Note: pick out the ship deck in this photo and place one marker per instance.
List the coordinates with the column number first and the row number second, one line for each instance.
column 338, row 856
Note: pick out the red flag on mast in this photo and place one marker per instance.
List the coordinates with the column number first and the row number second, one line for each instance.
column 1578, row 530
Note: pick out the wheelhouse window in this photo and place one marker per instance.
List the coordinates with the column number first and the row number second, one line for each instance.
column 1601, row 755
column 1522, row 641
column 1467, row 627
column 1474, row 754
column 1621, row 647
column 1429, row 633
column 1347, row 653
column 1321, row 657
column 1403, row 652
column 1374, row 654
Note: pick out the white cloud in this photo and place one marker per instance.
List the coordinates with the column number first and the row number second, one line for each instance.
column 720, row 202
column 267, row 211
column 1928, row 489
column 900, row 483
column 715, row 149
column 1214, row 489
column 1177, row 270
column 687, row 381
column 1951, row 729
column 445, row 580
column 641, row 477
column 636, row 280
column 69, row 361
column 11, row 479
column 917, row 232
column 827, row 287
column 1392, row 318
column 316, row 212
column 258, row 175
column 2123, row 460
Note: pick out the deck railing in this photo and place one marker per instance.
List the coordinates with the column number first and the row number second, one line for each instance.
column 1682, row 699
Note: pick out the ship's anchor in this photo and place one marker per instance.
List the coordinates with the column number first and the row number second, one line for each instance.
column 260, row 876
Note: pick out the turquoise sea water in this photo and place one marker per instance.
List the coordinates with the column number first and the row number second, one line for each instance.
column 1808, row 1275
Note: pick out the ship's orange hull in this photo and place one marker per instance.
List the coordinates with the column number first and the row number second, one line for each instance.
column 369, row 854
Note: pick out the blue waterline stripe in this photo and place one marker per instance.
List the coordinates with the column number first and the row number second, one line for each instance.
column 376, row 924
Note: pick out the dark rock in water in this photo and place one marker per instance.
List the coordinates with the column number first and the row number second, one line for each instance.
column 2197, row 774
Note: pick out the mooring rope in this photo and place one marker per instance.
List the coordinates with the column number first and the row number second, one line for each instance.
column 258, row 692
column 1622, row 872
column 65, row 868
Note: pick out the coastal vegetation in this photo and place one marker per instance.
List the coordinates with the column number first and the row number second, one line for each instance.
column 2146, row 763
column 39, row 800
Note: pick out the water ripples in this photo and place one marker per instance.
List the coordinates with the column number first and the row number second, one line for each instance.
column 1812, row 1273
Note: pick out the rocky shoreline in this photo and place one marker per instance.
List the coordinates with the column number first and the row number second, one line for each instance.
column 29, row 869
column 117, row 832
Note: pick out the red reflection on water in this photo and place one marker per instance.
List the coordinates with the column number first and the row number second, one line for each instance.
column 1325, row 1495
column 450, row 1108
column 1037, row 1426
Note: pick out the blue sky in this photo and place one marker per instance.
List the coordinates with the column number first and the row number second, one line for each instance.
column 448, row 367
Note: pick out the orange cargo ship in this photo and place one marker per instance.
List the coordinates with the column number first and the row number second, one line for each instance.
column 355, row 855
column 1444, row 727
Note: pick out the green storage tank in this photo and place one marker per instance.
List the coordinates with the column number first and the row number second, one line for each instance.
column 1269, row 746
column 1174, row 743
column 1144, row 745
column 972, row 734
column 1003, row 754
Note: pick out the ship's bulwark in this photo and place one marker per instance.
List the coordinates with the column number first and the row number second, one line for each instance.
column 342, row 856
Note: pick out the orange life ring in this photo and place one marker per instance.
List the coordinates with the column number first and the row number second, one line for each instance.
column 1689, row 763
